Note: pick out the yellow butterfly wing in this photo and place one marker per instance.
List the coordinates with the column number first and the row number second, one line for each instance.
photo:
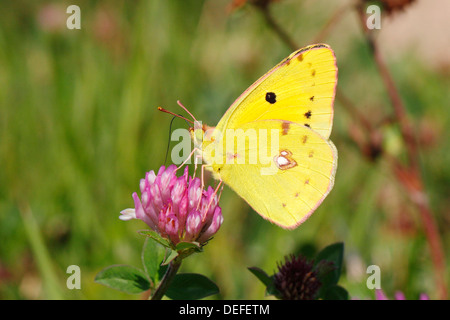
column 293, row 184
column 295, row 98
column 300, row 89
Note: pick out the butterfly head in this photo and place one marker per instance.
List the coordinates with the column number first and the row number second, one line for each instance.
column 201, row 134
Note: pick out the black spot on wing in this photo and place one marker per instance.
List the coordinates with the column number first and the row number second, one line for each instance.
column 271, row 97
column 308, row 114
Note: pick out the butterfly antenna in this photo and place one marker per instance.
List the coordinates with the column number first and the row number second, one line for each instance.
column 170, row 127
column 185, row 109
column 175, row 115
column 168, row 140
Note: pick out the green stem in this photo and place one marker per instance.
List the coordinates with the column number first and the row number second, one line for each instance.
column 167, row 279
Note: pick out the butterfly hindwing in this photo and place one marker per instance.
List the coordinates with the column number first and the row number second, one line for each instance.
column 304, row 165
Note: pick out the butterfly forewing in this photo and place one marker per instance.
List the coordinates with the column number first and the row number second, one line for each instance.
column 299, row 89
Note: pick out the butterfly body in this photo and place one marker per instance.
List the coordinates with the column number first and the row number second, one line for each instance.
column 272, row 145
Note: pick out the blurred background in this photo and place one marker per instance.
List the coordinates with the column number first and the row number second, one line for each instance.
column 79, row 127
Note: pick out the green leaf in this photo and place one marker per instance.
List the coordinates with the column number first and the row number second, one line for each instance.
column 272, row 290
column 152, row 256
column 123, row 278
column 155, row 236
column 187, row 245
column 335, row 292
column 191, row 286
column 162, row 271
column 335, row 254
column 261, row 275
column 326, row 273
column 265, row 279
column 170, row 255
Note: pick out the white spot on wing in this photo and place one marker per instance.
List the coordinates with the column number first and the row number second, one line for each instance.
column 282, row 161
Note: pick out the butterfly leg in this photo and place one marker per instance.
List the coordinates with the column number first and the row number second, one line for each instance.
column 202, row 175
column 203, row 186
column 215, row 191
column 189, row 157
column 196, row 162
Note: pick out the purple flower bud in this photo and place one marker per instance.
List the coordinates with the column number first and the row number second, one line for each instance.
column 380, row 295
column 399, row 295
column 150, row 177
column 424, row 296
column 176, row 207
column 297, row 279
column 155, row 196
column 178, row 192
column 162, row 221
column 194, row 193
column 208, row 205
column 193, row 226
column 183, row 210
column 141, row 214
column 211, row 230
column 172, row 227
column 167, row 180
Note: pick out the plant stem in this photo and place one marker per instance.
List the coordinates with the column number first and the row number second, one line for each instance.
column 172, row 270
column 284, row 36
column 328, row 27
column 409, row 174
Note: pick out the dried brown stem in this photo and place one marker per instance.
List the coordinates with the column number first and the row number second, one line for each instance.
column 335, row 18
column 354, row 111
column 282, row 34
column 409, row 174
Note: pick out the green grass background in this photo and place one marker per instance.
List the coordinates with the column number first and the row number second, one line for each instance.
column 79, row 127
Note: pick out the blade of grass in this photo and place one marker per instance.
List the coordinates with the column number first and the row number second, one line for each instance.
column 41, row 254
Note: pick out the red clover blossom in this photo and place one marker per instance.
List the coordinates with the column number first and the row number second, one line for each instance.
column 176, row 207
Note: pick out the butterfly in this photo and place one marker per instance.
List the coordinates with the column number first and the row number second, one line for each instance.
column 284, row 118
